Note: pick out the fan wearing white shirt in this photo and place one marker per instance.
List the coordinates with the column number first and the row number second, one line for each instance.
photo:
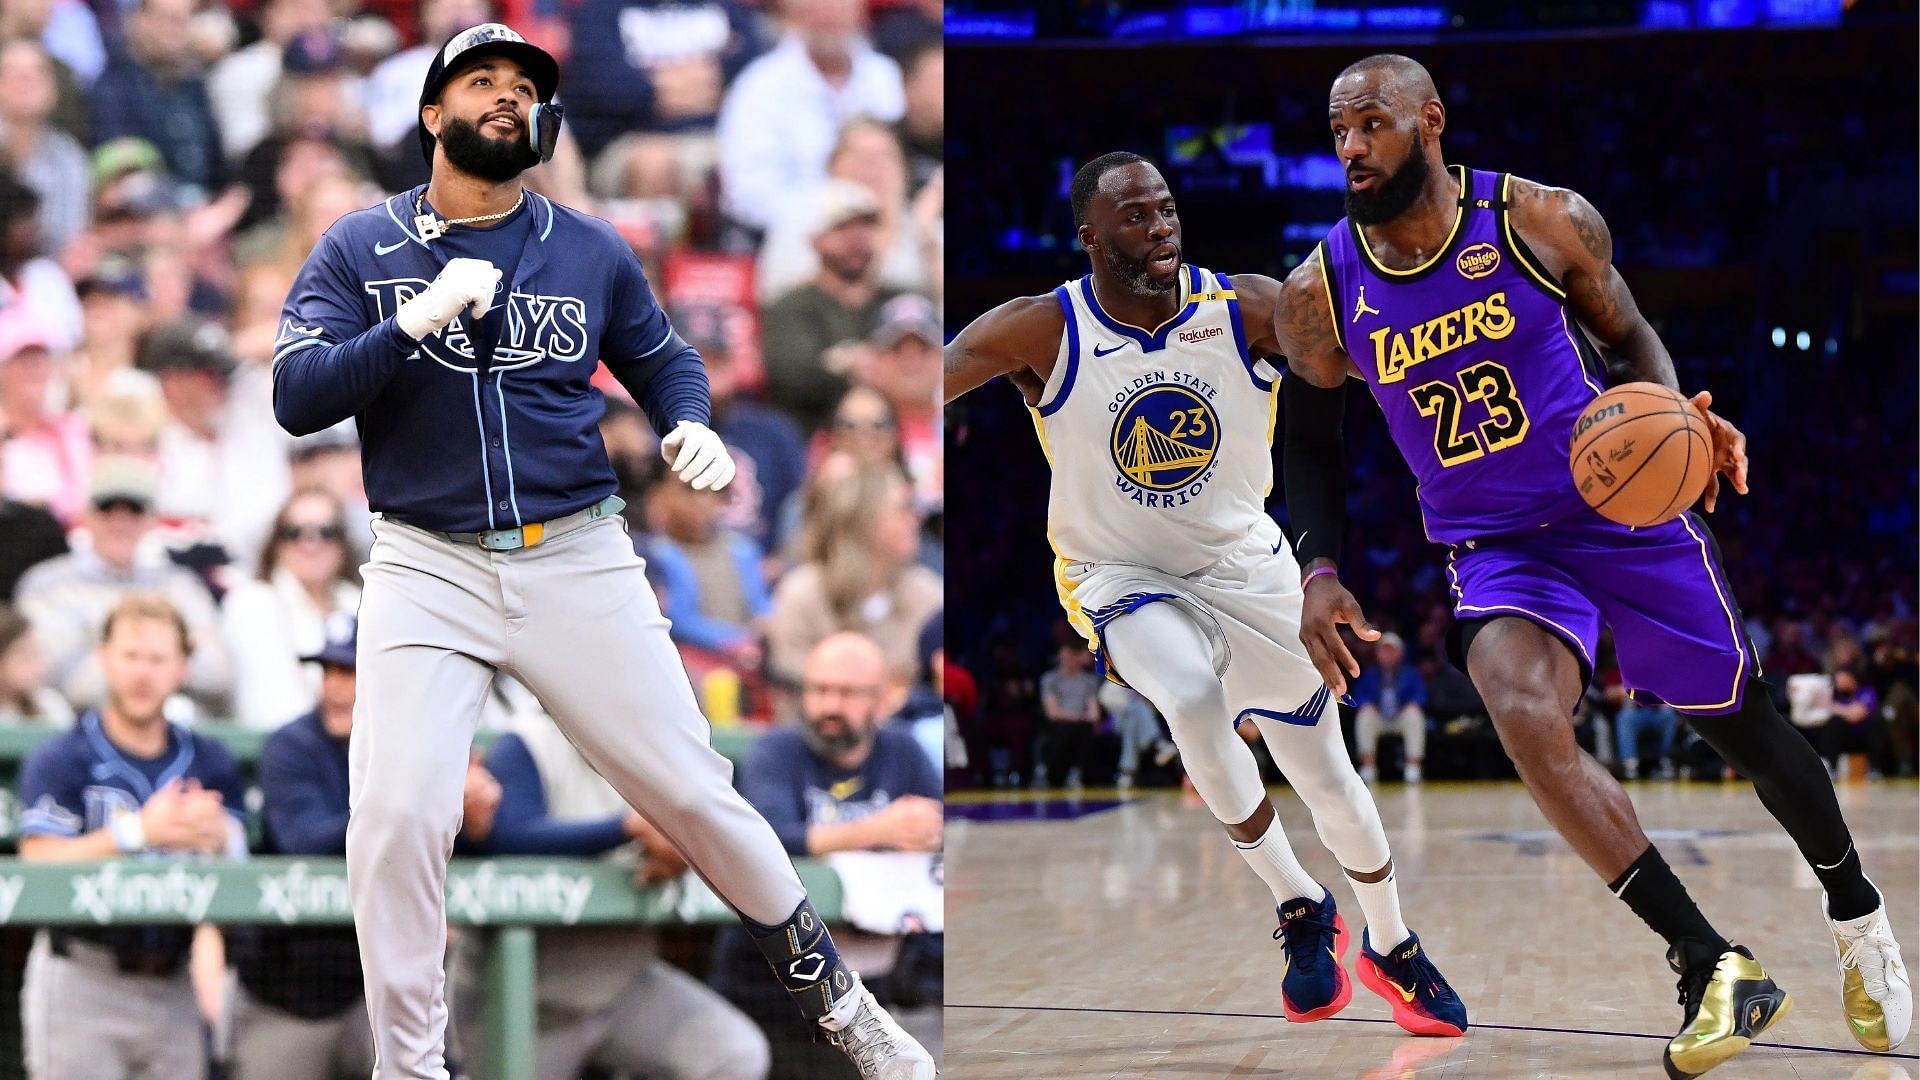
column 281, row 613
column 785, row 110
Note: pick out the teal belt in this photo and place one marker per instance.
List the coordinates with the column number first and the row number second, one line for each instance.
column 527, row 536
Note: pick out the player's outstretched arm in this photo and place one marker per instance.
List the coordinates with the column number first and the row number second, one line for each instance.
column 1314, row 466
column 1570, row 237
column 1020, row 338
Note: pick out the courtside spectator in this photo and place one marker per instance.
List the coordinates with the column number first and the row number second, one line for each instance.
column 1390, row 695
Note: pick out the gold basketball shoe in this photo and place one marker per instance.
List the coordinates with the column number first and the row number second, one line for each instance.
column 1874, row 991
column 1727, row 1006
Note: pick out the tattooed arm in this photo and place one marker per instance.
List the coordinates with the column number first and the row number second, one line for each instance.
column 1314, row 466
column 1019, row 339
column 1571, row 240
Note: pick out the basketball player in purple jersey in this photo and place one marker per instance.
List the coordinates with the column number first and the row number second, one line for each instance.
column 1466, row 301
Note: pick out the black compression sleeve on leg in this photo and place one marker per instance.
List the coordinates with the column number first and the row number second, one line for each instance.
column 1794, row 787
column 1314, row 467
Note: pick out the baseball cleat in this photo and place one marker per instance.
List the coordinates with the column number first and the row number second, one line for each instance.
column 879, row 1047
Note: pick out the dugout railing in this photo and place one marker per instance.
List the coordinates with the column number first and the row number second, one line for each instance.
column 511, row 896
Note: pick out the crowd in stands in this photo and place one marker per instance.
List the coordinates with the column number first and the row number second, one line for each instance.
column 166, row 166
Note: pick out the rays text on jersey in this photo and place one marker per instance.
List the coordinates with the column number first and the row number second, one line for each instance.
column 538, row 327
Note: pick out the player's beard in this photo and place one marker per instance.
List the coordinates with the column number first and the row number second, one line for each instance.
column 484, row 156
column 1136, row 275
column 1393, row 195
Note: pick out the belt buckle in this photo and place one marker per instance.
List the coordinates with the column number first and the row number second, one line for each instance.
column 525, row 536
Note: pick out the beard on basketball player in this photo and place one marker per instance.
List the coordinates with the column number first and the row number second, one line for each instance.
column 1388, row 196
column 1154, row 272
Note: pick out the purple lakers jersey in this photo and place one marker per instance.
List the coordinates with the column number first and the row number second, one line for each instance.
column 1475, row 363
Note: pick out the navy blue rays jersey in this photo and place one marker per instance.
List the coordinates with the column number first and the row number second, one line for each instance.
column 80, row 782
column 1160, row 441
column 490, row 423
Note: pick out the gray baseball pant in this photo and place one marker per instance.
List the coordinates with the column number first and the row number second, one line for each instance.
column 84, row 1019
column 575, row 620
column 273, row 1044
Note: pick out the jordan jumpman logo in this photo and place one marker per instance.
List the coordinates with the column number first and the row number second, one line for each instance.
column 1362, row 307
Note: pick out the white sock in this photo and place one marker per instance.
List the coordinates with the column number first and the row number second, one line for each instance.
column 841, row 1014
column 1380, row 900
column 1272, row 858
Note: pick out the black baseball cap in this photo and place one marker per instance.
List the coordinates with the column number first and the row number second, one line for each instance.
column 486, row 39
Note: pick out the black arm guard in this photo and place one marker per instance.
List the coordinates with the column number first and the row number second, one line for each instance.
column 1314, row 467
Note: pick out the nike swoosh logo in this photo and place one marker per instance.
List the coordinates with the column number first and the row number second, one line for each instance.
column 382, row 249
column 1405, row 993
column 1098, row 351
column 1282, row 542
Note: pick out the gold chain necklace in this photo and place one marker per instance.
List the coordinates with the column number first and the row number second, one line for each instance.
column 432, row 228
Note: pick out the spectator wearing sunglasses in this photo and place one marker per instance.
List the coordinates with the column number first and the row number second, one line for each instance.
column 865, row 427
column 304, row 578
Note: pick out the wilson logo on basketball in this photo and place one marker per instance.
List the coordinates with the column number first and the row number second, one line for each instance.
column 1478, row 261
column 1189, row 337
column 1594, row 418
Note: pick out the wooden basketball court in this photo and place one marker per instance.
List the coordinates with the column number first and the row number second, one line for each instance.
column 1124, row 938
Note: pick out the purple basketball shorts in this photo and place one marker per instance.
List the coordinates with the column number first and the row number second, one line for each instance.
column 1676, row 629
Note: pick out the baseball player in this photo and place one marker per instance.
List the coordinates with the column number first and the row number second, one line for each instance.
column 458, row 323
column 117, row 1002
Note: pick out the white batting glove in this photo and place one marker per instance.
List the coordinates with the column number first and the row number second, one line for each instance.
column 697, row 456
column 464, row 284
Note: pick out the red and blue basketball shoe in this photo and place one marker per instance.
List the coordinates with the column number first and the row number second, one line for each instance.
column 1422, row 1001
column 1312, row 936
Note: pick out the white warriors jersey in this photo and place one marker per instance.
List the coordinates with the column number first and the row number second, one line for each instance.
column 1161, row 443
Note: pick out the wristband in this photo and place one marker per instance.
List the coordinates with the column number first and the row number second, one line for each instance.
column 1311, row 574
column 129, row 835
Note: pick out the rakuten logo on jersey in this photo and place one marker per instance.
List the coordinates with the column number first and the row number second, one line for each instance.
column 1191, row 337
column 538, row 328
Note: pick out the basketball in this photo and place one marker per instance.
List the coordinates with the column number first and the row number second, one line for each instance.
column 1641, row 454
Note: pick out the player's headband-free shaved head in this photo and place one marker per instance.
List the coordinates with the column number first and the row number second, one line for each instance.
column 1399, row 76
